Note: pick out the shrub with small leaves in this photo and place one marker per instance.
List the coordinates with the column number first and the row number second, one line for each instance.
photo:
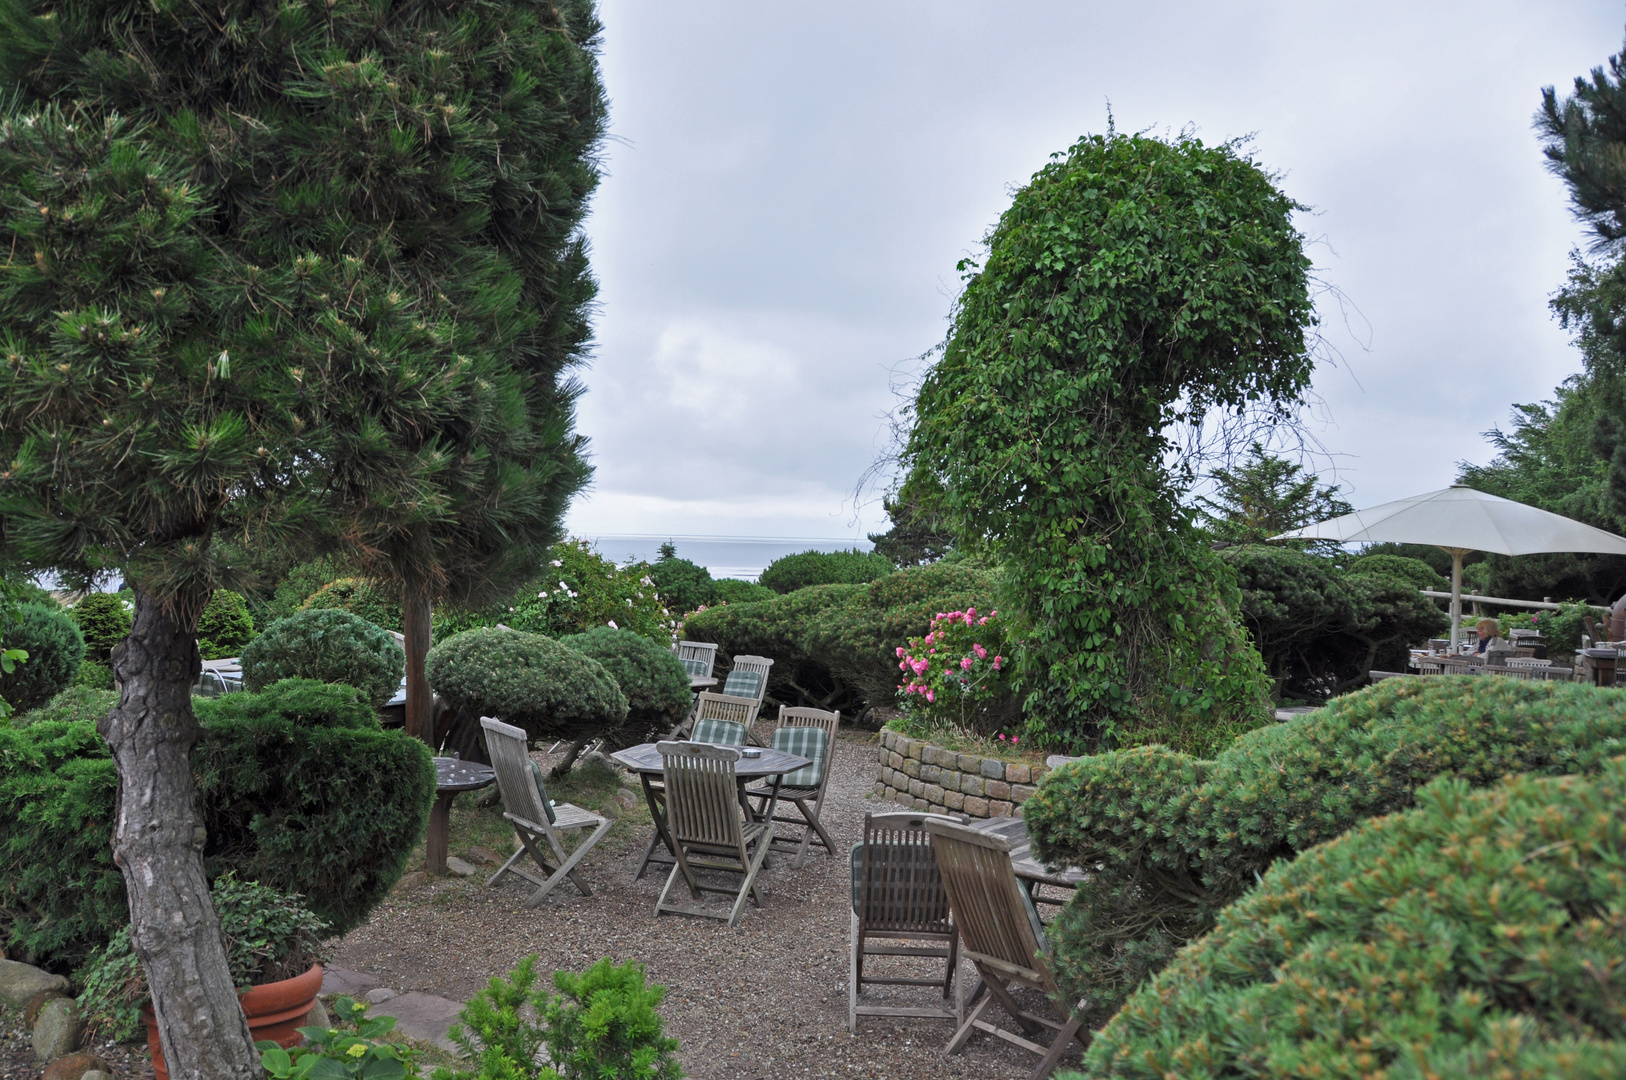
column 578, row 590
column 1175, row 838
column 601, row 1024
column 791, row 572
column 328, row 645
column 225, row 626
column 1478, row 934
column 955, row 674
column 358, row 598
column 530, row 681
column 55, row 649
column 95, row 676
column 735, row 591
column 652, row 677
column 104, row 621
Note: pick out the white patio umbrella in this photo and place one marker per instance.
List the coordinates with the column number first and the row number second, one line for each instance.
column 1458, row 520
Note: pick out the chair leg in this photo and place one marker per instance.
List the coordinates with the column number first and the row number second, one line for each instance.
column 1064, row 1038
column 749, row 887
column 967, row 1026
column 568, row 869
column 853, row 975
column 813, row 825
column 508, row 866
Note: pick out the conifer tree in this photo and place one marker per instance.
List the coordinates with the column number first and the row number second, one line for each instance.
column 306, row 274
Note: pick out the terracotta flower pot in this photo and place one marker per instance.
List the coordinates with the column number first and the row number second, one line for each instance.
column 275, row 1011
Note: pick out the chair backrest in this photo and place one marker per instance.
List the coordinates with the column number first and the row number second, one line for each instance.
column 797, row 721
column 1527, row 661
column 896, row 883
column 716, row 732
column 987, row 899
column 702, row 803
column 738, row 710
column 704, row 651
column 697, row 669
column 759, row 665
column 507, row 747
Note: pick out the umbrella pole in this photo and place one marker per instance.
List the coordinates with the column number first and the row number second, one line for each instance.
column 1456, row 594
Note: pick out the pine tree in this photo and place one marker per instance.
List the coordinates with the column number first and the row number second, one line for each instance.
column 1265, row 495
column 307, row 275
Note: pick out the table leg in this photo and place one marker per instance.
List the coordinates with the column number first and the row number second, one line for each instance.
column 657, row 814
column 440, row 830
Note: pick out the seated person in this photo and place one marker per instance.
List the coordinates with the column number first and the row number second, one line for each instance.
column 1488, row 630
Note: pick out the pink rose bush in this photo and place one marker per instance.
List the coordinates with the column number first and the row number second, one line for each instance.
column 953, row 672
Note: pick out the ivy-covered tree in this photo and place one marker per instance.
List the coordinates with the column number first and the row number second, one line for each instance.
column 305, row 274
column 1133, row 283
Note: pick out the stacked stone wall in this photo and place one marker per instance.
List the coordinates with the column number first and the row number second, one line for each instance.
column 927, row 777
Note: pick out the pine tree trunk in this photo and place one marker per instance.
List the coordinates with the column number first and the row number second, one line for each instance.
column 158, row 844
column 415, row 625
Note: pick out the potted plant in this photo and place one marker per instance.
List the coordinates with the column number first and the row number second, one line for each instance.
column 274, row 947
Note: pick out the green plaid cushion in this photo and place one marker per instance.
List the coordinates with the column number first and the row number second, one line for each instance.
column 542, row 790
column 743, row 684
column 811, row 743
column 719, row 733
column 697, row 669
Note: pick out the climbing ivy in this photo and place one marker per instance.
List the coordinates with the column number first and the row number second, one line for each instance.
column 1133, row 285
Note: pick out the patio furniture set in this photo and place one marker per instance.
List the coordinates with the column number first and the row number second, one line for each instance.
column 720, row 789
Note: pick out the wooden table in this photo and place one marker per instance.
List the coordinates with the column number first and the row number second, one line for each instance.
column 452, row 775
column 1029, row 870
column 645, row 760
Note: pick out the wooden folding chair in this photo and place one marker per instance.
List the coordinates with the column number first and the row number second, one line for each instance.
column 719, row 720
column 811, row 733
column 706, row 821
column 748, row 678
column 526, row 806
column 1000, row 931
column 704, row 652
column 898, row 897
column 709, row 706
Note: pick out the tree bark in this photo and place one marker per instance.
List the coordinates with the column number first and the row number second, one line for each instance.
column 415, row 626
column 158, row 844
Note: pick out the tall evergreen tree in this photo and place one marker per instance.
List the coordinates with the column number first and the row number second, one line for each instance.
column 1263, row 496
column 308, row 274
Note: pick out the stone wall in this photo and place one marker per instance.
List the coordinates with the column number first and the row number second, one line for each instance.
column 928, row 777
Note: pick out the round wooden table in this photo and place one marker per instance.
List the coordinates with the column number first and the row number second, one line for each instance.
column 452, row 775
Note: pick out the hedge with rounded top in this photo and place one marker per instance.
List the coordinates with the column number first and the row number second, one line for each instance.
column 104, row 620
column 54, row 646
column 653, row 679
column 1177, row 838
column 330, row 646
column 791, row 572
column 1479, row 934
column 530, row 681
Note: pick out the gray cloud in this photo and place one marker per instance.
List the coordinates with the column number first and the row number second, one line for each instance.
column 793, row 185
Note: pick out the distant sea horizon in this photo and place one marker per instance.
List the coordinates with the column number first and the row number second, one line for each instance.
column 741, row 557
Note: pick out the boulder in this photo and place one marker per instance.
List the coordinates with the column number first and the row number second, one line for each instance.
column 59, row 1030
column 484, row 856
column 32, row 1013
column 21, row 983
column 317, row 1017
column 80, row 1066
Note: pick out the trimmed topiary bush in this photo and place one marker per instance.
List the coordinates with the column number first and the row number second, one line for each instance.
column 358, row 598
column 683, row 586
column 330, row 646
column 530, row 681
column 1177, row 838
column 76, row 703
column 104, row 621
column 225, row 626
column 297, row 788
column 735, row 591
column 96, row 676
column 1479, row 934
column 791, row 572
column 652, row 678
column 54, row 646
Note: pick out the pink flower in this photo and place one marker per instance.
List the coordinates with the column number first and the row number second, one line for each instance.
column 930, row 696
column 965, row 663
column 900, row 650
column 998, row 660
column 982, row 653
column 1015, row 739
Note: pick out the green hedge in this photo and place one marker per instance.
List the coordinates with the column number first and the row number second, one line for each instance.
column 653, row 679
column 359, row 598
column 104, row 620
column 530, row 681
column 1177, row 838
column 1479, row 934
column 225, row 625
column 55, row 648
column 834, row 646
column 330, row 645
column 792, row 572
column 302, row 792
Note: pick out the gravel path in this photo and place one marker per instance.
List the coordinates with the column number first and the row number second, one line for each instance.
column 765, row 999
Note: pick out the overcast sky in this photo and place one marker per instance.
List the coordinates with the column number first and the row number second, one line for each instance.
column 789, row 187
